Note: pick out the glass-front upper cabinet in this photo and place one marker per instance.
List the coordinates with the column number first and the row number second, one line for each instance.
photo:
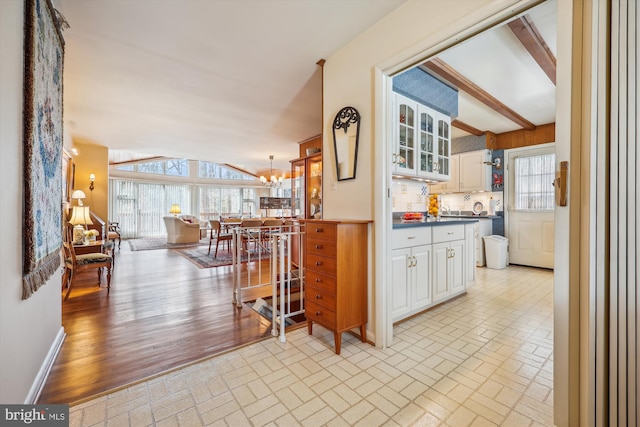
column 298, row 188
column 314, row 187
column 404, row 151
column 426, row 153
column 422, row 141
column 306, row 187
column 444, row 148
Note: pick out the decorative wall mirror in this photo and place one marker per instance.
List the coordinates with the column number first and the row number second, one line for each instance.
column 346, row 130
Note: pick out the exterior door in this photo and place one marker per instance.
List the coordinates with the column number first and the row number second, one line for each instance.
column 530, row 205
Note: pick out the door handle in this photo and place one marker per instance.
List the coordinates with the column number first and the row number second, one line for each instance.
column 560, row 183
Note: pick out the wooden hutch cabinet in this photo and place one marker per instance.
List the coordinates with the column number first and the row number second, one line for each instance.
column 306, row 186
column 336, row 276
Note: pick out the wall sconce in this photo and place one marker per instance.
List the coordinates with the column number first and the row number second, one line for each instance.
column 78, row 195
column 92, row 180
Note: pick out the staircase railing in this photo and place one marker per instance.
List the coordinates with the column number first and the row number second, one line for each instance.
column 280, row 251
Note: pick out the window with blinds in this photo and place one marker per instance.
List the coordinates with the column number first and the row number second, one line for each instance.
column 533, row 182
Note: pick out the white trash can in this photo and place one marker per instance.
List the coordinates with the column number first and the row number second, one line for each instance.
column 495, row 248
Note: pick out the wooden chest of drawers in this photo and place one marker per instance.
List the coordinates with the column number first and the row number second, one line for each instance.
column 336, row 276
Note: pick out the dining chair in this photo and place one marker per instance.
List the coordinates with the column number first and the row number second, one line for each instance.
column 250, row 232
column 219, row 236
column 75, row 263
column 113, row 232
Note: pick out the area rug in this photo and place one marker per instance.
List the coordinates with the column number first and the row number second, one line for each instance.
column 150, row 244
column 198, row 255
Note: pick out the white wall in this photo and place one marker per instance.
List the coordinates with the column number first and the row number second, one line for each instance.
column 28, row 329
column 352, row 78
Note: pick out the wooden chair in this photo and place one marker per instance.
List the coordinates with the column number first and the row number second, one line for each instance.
column 219, row 236
column 113, row 232
column 74, row 263
column 250, row 232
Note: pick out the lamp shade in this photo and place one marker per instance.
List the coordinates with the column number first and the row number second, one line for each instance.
column 80, row 215
column 175, row 209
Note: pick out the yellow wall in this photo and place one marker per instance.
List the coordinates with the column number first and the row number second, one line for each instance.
column 94, row 159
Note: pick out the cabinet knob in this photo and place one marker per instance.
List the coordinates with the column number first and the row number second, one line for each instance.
column 318, row 246
column 318, row 313
column 318, row 263
column 318, row 296
column 318, row 280
column 319, row 230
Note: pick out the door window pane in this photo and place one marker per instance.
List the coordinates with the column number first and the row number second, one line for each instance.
column 534, row 176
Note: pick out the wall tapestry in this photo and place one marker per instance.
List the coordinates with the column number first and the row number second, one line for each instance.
column 43, row 63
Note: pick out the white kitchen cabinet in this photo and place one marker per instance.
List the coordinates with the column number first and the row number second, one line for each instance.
column 411, row 278
column 410, row 271
column 469, row 173
column 448, row 261
column 422, row 141
column 404, row 144
column 474, row 172
column 453, row 185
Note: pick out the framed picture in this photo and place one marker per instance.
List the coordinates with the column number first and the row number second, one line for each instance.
column 68, row 169
column 42, row 121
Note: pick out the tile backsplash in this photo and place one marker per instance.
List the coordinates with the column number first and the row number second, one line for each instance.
column 410, row 195
column 465, row 201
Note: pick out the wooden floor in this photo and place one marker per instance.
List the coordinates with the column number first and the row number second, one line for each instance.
column 162, row 312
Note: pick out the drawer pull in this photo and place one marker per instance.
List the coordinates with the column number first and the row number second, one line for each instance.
column 318, row 280
column 319, row 230
column 318, row 313
column 318, row 246
column 451, row 232
column 318, row 263
column 318, row 296
column 411, row 237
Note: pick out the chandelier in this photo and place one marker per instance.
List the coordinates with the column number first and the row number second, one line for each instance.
column 273, row 182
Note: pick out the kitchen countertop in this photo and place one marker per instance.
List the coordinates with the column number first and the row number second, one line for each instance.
column 432, row 223
column 481, row 216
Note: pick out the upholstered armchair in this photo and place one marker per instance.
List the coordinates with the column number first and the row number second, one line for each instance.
column 179, row 231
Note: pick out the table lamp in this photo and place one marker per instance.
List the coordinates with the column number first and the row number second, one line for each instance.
column 80, row 217
column 175, row 209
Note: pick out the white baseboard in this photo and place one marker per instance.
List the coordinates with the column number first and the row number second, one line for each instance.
column 45, row 369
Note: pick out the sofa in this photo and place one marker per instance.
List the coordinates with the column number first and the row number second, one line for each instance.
column 180, row 231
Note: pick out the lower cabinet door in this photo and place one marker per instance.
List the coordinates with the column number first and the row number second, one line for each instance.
column 400, row 281
column 440, row 271
column 456, row 266
column 421, row 277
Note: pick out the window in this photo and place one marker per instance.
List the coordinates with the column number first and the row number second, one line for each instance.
column 214, row 170
column 172, row 167
column 139, row 207
column 226, row 201
column 534, row 176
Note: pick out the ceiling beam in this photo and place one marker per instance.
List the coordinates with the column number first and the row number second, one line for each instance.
column 467, row 128
column 527, row 33
column 522, row 138
column 445, row 71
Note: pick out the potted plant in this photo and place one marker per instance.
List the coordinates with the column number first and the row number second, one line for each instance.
column 90, row 235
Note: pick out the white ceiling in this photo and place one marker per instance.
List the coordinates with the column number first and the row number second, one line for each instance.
column 227, row 81
column 497, row 61
column 234, row 81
